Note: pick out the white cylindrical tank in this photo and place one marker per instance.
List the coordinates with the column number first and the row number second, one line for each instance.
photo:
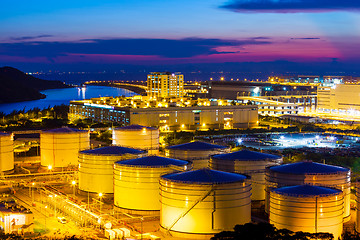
column 136, row 182
column 197, row 152
column 357, row 200
column 6, row 152
column 137, row 136
column 60, row 147
column 309, row 173
column 96, row 167
column 250, row 163
column 203, row 202
column 307, row 208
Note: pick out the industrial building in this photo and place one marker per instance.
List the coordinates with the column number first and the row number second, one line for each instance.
column 15, row 218
column 250, row 163
column 307, row 208
column 167, row 114
column 136, row 182
column 165, row 84
column 270, row 107
column 196, row 152
column 234, row 89
column 59, row 147
column 309, row 173
column 96, row 167
column 6, row 153
column 137, row 136
column 339, row 99
column 203, row 202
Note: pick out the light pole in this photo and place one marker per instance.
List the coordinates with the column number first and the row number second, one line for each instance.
column 45, row 217
column 100, row 195
column 32, row 192
column 73, row 183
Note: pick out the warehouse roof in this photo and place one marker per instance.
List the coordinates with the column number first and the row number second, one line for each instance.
column 306, row 190
column 153, row 161
column 64, row 130
column 112, row 150
column 197, row 145
column 246, row 155
column 308, row 167
column 205, row 176
column 135, row 127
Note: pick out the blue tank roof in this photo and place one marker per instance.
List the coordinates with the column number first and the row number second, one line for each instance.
column 306, row 190
column 153, row 161
column 246, row 155
column 196, row 146
column 4, row 134
column 205, row 176
column 64, row 130
column 135, row 127
column 112, row 150
column 308, row 168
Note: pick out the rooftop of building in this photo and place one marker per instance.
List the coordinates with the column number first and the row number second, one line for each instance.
column 246, row 155
column 196, row 146
column 306, row 191
column 148, row 102
column 112, row 150
column 308, row 167
column 153, row 161
column 11, row 206
column 5, row 134
column 205, row 176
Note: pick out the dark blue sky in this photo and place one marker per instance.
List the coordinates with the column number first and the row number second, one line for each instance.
column 116, row 32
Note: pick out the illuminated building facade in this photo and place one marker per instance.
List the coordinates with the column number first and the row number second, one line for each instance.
column 165, row 84
column 15, row 218
column 341, row 98
column 270, row 107
column 168, row 114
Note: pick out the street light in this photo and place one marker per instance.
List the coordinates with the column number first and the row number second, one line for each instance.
column 73, row 183
column 100, row 195
column 49, row 167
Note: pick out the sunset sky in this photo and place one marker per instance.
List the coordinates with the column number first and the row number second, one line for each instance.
column 149, row 32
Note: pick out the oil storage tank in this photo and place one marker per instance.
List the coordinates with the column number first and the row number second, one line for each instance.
column 247, row 162
column 197, row 152
column 60, row 147
column 136, row 182
column 307, row 208
column 96, row 167
column 137, row 136
column 309, row 173
column 357, row 200
column 203, row 202
column 6, row 152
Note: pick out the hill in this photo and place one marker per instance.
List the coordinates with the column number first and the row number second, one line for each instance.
column 17, row 86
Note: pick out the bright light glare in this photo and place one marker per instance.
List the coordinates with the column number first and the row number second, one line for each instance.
column 239, row 140
column 49, row 167
column 282, row 137
column 100, row 194
column 73, row 182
